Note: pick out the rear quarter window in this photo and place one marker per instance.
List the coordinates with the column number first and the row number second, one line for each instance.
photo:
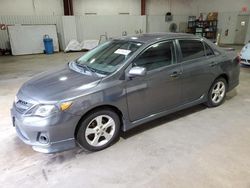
column 191, row 49
column 209, row 51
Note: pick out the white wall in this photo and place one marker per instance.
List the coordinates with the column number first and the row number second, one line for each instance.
column 222, row 5
column 228, row 14
column 113, row 7
column 31, row 7
column 177, row 7
column 248, row 34
column 155, row 9
column 227, row 21
column 107, row 7
column 30, row 20
column 55, row 7
column 156, row 23
column 78, row 27
column 91, row 27
column 69, row 29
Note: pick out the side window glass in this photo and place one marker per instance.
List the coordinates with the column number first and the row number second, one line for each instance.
column 156, row 56
column 208, row 49
column 216, row 52
column 191, row 49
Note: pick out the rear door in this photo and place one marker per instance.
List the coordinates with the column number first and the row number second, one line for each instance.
column 198, row 64
column 160, row 89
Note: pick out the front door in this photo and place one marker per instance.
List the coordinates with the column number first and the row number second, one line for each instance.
column 160, row 88
column 241, row 29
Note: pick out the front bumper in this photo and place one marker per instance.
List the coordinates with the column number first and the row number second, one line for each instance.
column 46, row 135
column 245, row 62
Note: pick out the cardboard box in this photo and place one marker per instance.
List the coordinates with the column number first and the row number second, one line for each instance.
column 212, row 16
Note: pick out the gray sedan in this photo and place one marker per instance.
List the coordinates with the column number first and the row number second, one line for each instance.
column 119, row 85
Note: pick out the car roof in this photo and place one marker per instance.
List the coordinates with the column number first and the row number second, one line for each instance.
column 154, row 37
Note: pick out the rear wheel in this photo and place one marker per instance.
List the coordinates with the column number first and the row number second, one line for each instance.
column 98, row 130
column 217, row 93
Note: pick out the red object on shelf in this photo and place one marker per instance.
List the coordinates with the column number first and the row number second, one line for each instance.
column 244, row 9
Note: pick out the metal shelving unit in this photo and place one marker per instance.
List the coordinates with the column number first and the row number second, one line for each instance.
column 207, row 29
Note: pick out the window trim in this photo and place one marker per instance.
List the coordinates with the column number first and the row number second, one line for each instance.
column 215, row 50
column 180, row 52
column 174, row 61
column 205, row 44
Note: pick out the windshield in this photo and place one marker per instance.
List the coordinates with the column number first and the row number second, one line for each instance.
column 108, row 57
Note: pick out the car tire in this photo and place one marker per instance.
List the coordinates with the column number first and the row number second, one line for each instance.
column 217, row 93
column 98, row 130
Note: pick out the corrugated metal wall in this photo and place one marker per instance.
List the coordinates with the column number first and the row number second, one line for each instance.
column 157, row 23
column 91, row 27
column 87, row 27
column 79, row 27
column 69, row 28
column 34, row 20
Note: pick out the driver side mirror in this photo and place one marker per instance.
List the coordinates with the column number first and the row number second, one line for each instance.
column 137, row 71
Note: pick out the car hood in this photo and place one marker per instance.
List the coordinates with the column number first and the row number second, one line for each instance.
column 58, row 85
column 245, row 52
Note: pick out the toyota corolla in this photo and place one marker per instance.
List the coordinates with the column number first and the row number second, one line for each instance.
column 119, row 85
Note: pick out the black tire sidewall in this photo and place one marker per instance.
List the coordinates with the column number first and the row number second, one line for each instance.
column 80, row 136
column 210, row 102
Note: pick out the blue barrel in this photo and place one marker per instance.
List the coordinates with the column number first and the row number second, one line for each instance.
column 48, row 44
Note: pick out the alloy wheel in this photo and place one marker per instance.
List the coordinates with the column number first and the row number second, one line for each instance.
column 218, row 92
column 100, row 130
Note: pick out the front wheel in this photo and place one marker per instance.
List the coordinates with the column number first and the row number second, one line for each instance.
column 217, row 93
column 98, row 130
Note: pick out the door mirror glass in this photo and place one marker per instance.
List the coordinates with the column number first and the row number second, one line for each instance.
column 137, row 71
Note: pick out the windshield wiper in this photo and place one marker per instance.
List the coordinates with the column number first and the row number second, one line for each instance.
column 86, row 67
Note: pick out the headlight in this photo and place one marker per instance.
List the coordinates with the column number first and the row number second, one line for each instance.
column 16, row 99
column 45, row 110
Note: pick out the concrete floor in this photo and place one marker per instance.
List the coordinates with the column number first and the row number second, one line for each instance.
column 197, row 147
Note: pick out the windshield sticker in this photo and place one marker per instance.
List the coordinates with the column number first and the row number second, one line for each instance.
column 122, row 52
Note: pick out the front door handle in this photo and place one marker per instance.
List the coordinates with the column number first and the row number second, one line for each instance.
column 175, row 74
column 212, row 64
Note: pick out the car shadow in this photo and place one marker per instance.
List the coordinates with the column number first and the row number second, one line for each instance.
column 231, row 94
column 162, row 120
column 244, row 66
column 65, row 156
column 61, row 157
column 171, row 117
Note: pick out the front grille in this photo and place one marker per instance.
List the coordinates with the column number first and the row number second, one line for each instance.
column 22, row 106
